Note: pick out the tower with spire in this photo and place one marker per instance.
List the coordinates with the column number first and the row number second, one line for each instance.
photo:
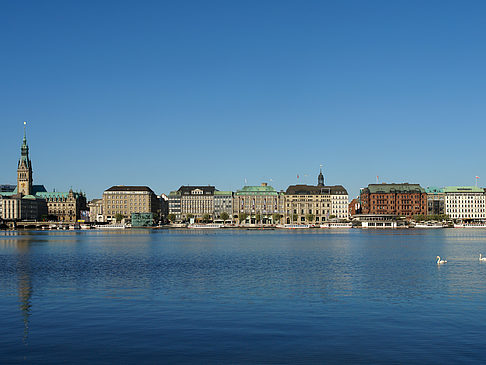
column 320, row 179
column 24, row 169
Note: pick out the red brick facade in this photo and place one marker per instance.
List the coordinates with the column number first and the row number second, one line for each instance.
column 397, row 199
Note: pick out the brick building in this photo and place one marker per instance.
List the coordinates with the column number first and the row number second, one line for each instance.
column 397, row 199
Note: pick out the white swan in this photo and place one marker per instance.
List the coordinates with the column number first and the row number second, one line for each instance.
column 481, row 258
column 439, row 261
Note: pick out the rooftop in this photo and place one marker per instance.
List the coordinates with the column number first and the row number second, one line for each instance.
column 315, row 190
column 463, row 189
column 394, row 188
column 129, row 188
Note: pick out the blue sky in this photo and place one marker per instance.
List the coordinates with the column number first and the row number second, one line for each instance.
column 215, row 92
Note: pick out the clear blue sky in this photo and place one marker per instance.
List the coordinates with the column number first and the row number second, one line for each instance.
column 213, row 92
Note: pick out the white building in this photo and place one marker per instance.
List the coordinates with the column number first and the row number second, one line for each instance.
column 465, row 202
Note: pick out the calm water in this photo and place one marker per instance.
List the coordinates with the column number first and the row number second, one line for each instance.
column 242, row 297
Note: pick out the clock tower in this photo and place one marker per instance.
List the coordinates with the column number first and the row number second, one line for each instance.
column 24, row 169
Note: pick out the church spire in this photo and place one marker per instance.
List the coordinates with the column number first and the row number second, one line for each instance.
column 320, row 178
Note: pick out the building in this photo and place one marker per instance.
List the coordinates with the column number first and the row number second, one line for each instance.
column 175, row 204
column 465, row 202
column 164, row 206
column 142, row 220
column 435, row 201
column 64, row 207
column 395, row 199
column 258, row 204
column 354, row 207
column 197, row 201
column 122, row 201
column 315, row 204
column 60, row 206
column 7, row 188
column 95, row 207
column 23, row 203
column 223, row 203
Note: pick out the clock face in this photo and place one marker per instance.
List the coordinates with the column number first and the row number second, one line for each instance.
column 23, row 185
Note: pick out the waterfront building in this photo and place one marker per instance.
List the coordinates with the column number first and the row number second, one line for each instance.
column 354, row 207
column 197, row 201
column 164, row 206
column 125, row 200
column 175, row 204
column 315, row 204
column 19, row 207
column 223, row 202
column 435, row 200
column 64, row 207
column 7, row 188
column 396, row 199
column 96, row 210
column 258, row 204
column 465, row 202
column 142, row 220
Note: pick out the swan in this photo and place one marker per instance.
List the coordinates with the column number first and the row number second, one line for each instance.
column 439, row 261
column 481, row 258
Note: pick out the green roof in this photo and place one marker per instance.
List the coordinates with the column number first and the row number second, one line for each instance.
column 395, row 188
column 433, row 190
column 223, row 192
column 7, row 193
column 257, row 190
column 463, row 189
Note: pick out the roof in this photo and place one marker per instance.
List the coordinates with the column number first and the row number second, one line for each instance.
column 223, row 192
column 130, row 188
column 257, row 190
column 394, row 188
column 207, row 190
column 463, row 189
column 315, row 190
column 56, row 194
column 36, row 189
column 433, row 190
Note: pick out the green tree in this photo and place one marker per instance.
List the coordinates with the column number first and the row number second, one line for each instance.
column 206, row 218
column 258, row 217
column 332, row 216
column 294, row 217
column 118, row 217
column 171, row 217
column 189, row 216
column 224, row 216
column 310, row 217
column 242, row 217
column 276, row 217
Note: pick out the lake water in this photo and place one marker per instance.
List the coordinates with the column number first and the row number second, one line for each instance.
column 235, row 296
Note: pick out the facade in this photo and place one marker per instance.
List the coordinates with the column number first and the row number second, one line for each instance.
column 197, row 201
column 142, row 219
column 315, row 204
column 465, row 202
column 21, row 207
column 258, row 203
column 354, row 207
column 164, row 205
column 125, row 200
column 95, row 207
column 64, row 207
column 175, row 204
column 395, row 199
column 223, row 202
column 435, row 201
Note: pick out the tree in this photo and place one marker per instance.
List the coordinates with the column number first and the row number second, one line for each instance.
column 258, row 217
column 224, row 216
column 206, row 217
column 276, row 217
column 242, row 217
column 332, row 216
column 310, row 217
column 189, row 216
column 118, row 217
column 294, row 217
column 171, row 217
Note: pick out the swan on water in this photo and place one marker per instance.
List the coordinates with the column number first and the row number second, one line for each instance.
column 439, row 261
column 481, row 258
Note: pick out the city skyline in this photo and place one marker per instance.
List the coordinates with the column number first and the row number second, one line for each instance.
column 165, row 95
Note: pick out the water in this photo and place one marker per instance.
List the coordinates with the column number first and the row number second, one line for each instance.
column 231, row 296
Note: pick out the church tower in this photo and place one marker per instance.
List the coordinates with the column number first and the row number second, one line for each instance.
column 320, row 179
column 24, row 170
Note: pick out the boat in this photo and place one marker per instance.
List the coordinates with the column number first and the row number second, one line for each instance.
column 74, row 226
column 470, row 225
column 205, row 226
column 111, row 226
column 293, row 226
column 85, row 226
column 336, row 225
column 428, row 225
